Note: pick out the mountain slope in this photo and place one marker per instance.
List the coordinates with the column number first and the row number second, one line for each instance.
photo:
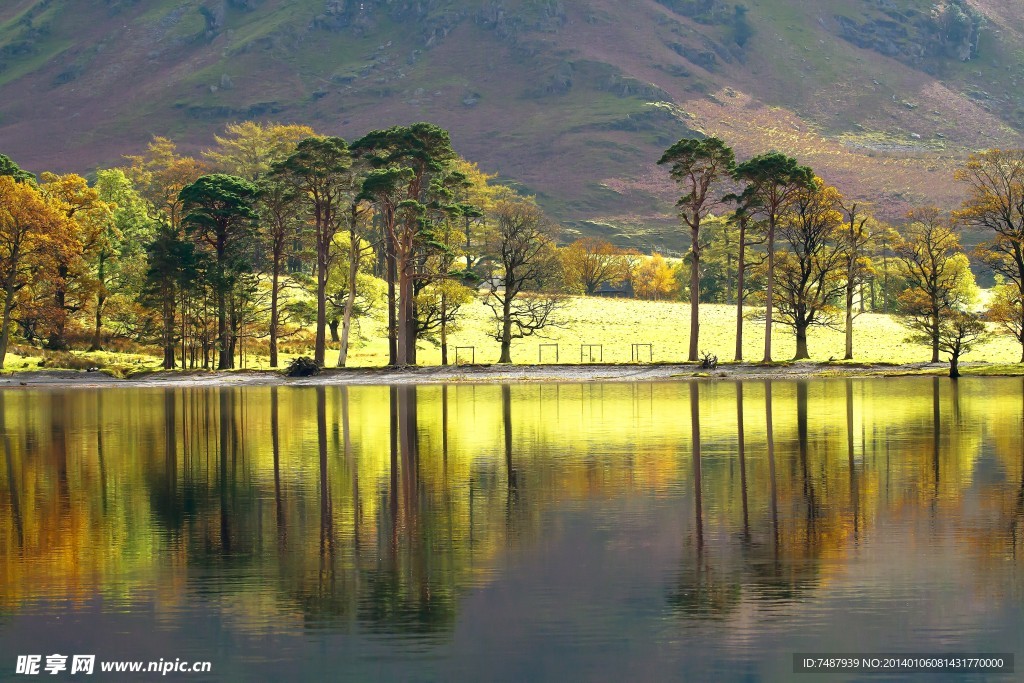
column 572, row 100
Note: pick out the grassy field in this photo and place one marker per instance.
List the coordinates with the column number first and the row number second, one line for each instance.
column 619, row 323
column 615, row 324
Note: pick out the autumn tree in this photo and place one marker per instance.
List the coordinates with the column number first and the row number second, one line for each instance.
column 160, row 175
column 655, row 279
column 811, row 271
column 589, row 263
column 959, row 332
column 32, row 231
column 525, row 276
column 995, row 204
column 320, row 171
column 1007, row 310
column 772, row 182
column 937, row 272
column 249, row 149
column 219, row 217
column 857, row 238
column 699, row 167
column 71, row 285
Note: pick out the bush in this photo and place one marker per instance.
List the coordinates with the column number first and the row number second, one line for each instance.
column 303, row 366
column 69, row 361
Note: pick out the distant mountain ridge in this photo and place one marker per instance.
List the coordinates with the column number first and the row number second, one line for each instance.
column 572, row 100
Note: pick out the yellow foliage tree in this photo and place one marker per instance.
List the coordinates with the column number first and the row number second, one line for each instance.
column 1007, row 311
column 589, row 263
column 32, row 231
column 248, row 149
column 937, row 273
column 160, row 175
column 655, row 279
column 68, row 289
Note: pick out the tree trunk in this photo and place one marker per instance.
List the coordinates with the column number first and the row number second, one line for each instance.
column 169, row 363
column 769, row 291
column 849, row 319
column 694, row 292
column 224, row 359
column 5, row 324
column 275, row 288
column 392, row 276
column 97, row 333
column 57, row 340
column 319, row 350
column 954, row 366
column 506, row 331
column 801, row 343
column 740, row 272
column 100, row 300
column 444, row 331
column 350, row 302
column 935, row 338
column 332, row 325
column 404, row 306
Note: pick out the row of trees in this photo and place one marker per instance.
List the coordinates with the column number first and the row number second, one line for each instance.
column 827, row 243
column 275, row 230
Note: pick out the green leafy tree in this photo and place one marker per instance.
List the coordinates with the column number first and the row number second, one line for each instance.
column 385, row 189
column 772, row 183
column 699, row 167
column 172, row 268
column 281, row 229
column 119, row 259
column 219, row 217
column 425, row 149
column 320, row 170
column 9, row 168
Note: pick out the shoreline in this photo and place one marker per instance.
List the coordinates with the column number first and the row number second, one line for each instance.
column 494, row 374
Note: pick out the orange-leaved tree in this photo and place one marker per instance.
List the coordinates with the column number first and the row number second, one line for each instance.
column 32, row 231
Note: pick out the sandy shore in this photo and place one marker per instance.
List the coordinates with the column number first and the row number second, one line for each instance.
column 482, row 374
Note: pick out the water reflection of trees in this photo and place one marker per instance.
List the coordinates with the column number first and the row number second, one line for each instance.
column 382, row 506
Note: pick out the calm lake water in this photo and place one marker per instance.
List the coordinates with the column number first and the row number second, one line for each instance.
column 526, row 533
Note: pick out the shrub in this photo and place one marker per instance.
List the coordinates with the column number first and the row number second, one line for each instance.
column 303, row 366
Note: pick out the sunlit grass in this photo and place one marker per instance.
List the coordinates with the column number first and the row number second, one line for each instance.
column 612, row 325
column 618, row 323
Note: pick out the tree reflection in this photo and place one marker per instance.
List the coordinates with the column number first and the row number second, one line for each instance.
column 742, row 453
column 379, row 507
column 700, row 592
column 854, row 492
column 12, row 481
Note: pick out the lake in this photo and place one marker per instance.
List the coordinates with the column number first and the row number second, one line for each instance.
column 602, row 532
